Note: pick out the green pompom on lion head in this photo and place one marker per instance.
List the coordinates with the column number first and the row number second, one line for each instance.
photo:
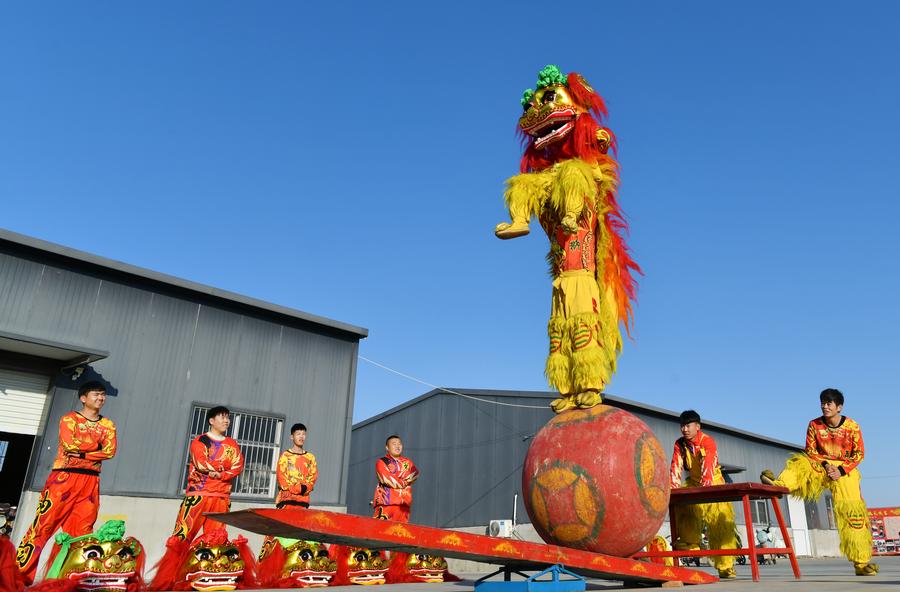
column 112, row 530
column 549, row 76
column 527, row 96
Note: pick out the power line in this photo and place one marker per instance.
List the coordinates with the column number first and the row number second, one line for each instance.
column 414, row 379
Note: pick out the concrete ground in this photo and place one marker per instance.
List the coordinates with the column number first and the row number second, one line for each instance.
column 821, row 575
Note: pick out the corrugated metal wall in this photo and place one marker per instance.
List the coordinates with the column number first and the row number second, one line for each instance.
column 470, row 454
column 167, row 351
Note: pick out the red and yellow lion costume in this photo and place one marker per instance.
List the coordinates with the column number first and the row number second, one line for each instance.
column 568, row 182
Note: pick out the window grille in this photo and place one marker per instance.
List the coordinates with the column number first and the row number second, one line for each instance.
column 259, row 437
column 759, row 512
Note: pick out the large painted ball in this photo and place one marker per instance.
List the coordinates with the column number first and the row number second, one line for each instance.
column 596, row 479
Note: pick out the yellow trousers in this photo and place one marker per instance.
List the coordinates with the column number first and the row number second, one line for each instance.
column 719, row 521
column 808, row 481
column 576, row 362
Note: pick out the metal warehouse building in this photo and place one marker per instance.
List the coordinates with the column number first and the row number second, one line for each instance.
column 470, row 446
column 167, row 350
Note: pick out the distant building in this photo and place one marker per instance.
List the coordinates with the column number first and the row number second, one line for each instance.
column 167, row 349
column 470, row 451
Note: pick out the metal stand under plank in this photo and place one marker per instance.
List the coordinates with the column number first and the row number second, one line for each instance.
column 532, row 584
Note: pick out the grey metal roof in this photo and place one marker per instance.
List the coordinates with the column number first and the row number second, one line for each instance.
column 607, row 398
column 8, row 236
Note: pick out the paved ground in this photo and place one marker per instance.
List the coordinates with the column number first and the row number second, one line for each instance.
column 821, row 575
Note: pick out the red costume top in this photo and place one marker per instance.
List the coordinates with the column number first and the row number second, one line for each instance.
column 93, row 441
column 843, row 443
column 222, row 456
column 395, row 478
column 700, row 458
column 572, row 252
column 297, row 473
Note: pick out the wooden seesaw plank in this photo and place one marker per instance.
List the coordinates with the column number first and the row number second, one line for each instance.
column 361, row 531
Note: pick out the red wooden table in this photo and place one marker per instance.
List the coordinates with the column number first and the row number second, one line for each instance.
column 731, row 492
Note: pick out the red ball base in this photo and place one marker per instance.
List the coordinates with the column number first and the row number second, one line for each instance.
column 596, row 479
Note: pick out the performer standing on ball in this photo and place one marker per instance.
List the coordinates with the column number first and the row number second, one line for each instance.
column 396, row 474
column 215, row 461
column 696, row 453
column 834, row 448
column 71, row 496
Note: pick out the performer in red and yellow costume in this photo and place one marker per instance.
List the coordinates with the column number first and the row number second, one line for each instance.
column 215, row 461
column 396, row 474
column 297, row 471
column 568, row 182
column 696, row 453
column 834, row 449
column 71, row 495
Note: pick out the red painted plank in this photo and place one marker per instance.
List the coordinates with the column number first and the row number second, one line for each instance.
column 346, row 529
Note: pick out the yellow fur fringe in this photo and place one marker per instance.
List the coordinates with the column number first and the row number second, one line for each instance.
column 527, row 193
column 558, row 369
column 719, row 520
column 574, row 183
column 856, row 543
column 810, row 482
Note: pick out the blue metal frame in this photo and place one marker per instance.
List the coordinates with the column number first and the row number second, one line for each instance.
column 532, row 584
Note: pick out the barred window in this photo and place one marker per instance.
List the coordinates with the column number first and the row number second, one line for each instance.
column 259, row 437
column 759, row 512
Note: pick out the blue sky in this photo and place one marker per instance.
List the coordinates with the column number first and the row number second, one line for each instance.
column 349, row 161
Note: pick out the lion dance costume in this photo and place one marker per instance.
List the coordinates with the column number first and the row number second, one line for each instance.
column 568, row 182
column 805, row 476
column 701, row 459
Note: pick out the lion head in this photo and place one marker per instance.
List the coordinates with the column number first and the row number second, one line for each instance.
column 305, row 564
column 356, row 565
column 562, row 121
column 211, row 562
column 103, row 561
column 426, row 568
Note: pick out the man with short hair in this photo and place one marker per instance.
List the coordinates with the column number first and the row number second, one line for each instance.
column 297, row 471
column 71, row 495
column 216, row 460
column 834, row 448
column 396, row 474
column 696, row 453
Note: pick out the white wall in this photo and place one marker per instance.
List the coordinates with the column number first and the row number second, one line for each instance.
column 825, row 543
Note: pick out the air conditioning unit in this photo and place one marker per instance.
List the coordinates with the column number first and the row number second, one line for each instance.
column 500, row 528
